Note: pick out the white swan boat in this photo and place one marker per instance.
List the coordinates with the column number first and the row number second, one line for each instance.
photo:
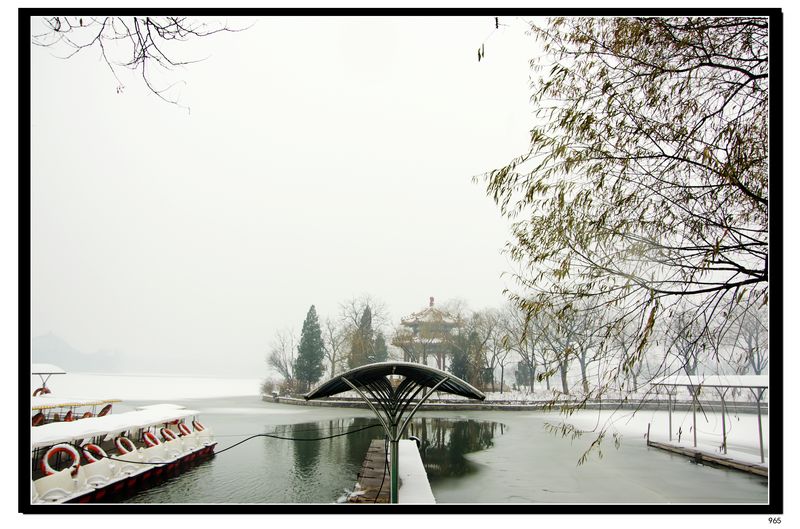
column 81, row 452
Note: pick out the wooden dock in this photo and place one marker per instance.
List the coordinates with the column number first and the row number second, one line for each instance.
column 373, row 478
column 713, row 459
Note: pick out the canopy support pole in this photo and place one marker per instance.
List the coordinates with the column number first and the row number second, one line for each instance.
column 760, row 431
column 724, row 432
column 695, row 391
column 669, row 410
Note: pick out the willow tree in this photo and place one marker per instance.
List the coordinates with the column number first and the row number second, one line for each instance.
column 646, row 181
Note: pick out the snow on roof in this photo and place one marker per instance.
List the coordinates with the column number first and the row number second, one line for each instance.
column 59, row 432
column 162, row 407
column 46, row 369
column 45, row 402
column 728, row 381
column 429, row 315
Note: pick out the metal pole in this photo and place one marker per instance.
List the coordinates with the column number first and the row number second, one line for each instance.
column 395, row 485
column 669, row 407
column 694, row 415
column 760, row 433
column 724, row 433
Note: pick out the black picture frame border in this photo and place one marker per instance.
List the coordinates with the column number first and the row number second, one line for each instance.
column 775, row 505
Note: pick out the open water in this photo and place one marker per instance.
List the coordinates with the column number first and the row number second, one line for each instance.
column 471, row 457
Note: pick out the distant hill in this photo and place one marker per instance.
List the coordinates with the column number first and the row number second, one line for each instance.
column 51, row 349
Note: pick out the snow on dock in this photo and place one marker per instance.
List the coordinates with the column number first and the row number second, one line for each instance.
column 707, row 457
column 414, row 485
column 374, row 482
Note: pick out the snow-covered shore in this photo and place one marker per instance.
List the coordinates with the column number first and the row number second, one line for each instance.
column 741, row 429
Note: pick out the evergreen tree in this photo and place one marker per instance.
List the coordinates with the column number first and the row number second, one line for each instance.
column 464, row 350
column 361, row 342
column 523, row 374
column 310, row 353
column 380, row 353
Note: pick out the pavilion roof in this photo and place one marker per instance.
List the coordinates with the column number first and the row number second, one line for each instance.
column 430, row 314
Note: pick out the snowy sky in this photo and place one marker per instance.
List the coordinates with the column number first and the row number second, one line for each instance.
column 322, row 159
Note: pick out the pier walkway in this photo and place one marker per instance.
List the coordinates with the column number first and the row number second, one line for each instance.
column 705, row 457
column 373, row 478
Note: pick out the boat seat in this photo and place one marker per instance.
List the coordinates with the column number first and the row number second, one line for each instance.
column 156, row 454
column 98, row 473
column 207, row 436
column 80, row 480
column 175, row 448
column 190, row 441
column 56, row 486
column 130, row 464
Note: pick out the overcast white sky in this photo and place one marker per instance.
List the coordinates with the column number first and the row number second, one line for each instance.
column 322, row 159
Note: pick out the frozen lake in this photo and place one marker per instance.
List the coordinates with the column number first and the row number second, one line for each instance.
column 471, row 457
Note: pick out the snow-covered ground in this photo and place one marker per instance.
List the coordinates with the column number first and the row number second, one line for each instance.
column 147, row 387
column 545, row 395
column 741, row 428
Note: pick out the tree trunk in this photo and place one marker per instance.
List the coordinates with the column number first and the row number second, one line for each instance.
column 502, row 370
column 564, row 385
column 532, row 371
column 547, row 378
column 584, row 380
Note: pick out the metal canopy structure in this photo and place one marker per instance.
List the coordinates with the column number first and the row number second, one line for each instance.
column 757, row 384
column 392, row 387
column 45, row 371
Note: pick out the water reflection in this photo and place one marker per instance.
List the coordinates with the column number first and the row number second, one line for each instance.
column 273, row 470
column 444, row 442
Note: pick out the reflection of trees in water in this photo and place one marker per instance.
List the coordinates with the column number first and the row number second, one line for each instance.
column 443, row 443
column 341, row 450
column 306, row 453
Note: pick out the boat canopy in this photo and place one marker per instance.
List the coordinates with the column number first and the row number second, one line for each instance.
column 108, row 425
column 49, row 401
column 715, row 381
column 421, row 375
column 46, row 369
column 162, row 407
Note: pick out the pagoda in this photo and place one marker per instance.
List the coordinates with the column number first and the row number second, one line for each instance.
column 428, row 332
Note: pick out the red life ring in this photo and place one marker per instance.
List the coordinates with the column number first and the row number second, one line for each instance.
column 68, row 417
column 168, row 434
column 37, row 419
column 41, row 391
column 121, row 442
column 198, row 426
column 76, row 458
column 105, row 410
column 90, row 450
column 86, row 415
column 184, row 429
column 150, row 439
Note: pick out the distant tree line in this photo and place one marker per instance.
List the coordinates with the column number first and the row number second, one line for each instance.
column 352, row 338
column 567, row 351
